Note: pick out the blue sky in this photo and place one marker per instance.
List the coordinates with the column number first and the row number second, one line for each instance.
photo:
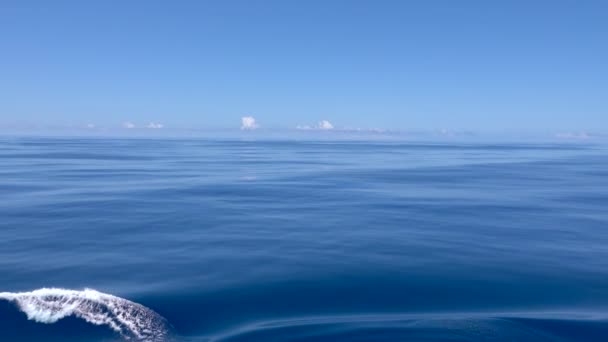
column 408, row 65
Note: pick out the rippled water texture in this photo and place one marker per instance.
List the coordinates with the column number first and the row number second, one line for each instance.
column 245, row 240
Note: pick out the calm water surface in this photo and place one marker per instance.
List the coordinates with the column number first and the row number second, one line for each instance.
column 235, row 240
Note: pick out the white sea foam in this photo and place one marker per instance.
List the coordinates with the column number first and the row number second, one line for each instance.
column 131, row 320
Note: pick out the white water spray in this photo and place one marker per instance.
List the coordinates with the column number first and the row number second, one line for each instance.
column 131, row 320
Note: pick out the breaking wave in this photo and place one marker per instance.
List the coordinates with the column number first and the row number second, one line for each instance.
column 131, row 320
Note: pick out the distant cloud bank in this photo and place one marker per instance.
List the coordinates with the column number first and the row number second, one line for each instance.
column 574, row 135
column 155, row 125
column 248, row 123
column 322, row 125
column 151, row 125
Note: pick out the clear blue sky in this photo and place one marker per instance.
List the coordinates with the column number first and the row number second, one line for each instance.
column 475, row 65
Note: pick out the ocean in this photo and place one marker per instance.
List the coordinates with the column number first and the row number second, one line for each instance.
column 109, row 239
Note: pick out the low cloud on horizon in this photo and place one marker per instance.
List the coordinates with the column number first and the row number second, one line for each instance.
column 575, row 135
column 248, row 123
column 322, row 125
column 155, row 125
column 320, row 128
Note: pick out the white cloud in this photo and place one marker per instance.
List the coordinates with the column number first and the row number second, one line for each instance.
column 574, row 135
column 324, row 124
column 90, row 126
column 447, row 132
column 248, row 123
column 128, row 125
column 378, row 130
column 155, row 125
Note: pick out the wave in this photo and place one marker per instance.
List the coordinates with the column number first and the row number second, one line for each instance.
column 136, row 322
column 131, row 320
column 433, row 328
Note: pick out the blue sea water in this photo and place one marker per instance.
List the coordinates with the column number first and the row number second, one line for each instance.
column 107, row 239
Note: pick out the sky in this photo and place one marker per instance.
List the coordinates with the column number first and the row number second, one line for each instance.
column 392, row 65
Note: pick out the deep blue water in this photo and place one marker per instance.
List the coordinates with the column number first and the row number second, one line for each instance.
column 236, row 240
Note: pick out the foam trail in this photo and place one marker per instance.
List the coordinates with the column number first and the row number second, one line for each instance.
column 129, row 319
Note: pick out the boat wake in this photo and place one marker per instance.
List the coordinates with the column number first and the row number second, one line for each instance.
column 134, row 322
column 131, row 320
column 421, row 328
